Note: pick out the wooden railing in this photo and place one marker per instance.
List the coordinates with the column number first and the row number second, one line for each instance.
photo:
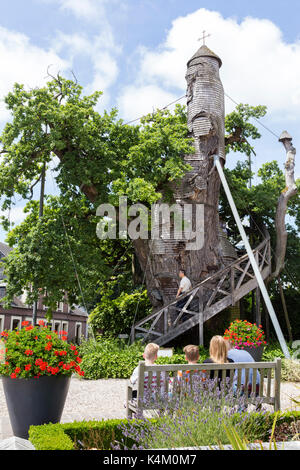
column 206, row 299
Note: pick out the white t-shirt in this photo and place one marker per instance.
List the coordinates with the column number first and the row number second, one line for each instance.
column 185, row 284
column 153, row 385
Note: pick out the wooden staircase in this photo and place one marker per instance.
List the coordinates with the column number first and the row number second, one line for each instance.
column 206, row 299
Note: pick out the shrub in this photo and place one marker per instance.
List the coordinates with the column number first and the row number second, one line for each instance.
column 290, row 371
column 179, row 359
column 50, row 437
column 99, row 434
column 109, row 358
column 115, row 313
column 272, row 351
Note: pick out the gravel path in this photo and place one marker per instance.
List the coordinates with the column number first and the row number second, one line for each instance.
column 104, row 399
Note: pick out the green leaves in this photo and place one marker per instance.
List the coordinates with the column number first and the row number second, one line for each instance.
column 97, row 158
column 240, row 129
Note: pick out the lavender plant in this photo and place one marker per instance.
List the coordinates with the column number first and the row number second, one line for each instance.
column 195, row 413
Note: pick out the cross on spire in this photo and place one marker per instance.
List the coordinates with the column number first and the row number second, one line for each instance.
column 204, row 37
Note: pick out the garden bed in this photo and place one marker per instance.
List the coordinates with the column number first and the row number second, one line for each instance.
column 100, row 434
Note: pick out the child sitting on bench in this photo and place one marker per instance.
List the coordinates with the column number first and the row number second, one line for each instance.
column 150, row 356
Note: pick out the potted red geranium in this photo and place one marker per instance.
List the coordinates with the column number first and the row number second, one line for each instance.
column 36, row 372
column 248, row 336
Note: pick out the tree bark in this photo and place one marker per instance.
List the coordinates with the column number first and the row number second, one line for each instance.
column 289, row 191
column 161, row 258
column 286, row 315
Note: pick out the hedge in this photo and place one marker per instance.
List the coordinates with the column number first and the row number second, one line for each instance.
column 65, row 436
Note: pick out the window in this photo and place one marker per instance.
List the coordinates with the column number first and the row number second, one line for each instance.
column 1, row 323
column 64, row 326
column 15, row 322
column 2, row 291
column 60, row 306
column 56, row 326
column 78, row 332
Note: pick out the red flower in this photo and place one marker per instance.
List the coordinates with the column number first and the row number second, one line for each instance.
column 17, row 370
column 41, row 322
column 66, row 366
column 25, row 323
column 49, row 337
column 73, row 347
column 64, row 333
column 28, row 367
column 79, row 360
column 30, row 327
column 64, row 338
column 81, row 373
column 13, row 376
column 48, row 347
column 28, row 352
column 4, row 333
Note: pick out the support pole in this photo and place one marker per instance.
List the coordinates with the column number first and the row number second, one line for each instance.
column 201, row 335
column 255, row 267
column 257, row 306
column 286, row 315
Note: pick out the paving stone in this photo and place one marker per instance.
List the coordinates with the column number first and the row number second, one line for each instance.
column 16, row 443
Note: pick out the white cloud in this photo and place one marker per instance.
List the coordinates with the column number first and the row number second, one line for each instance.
column 87, row 9
column 23, row 62
column 258, row 66
column 100, row 51
column 138, row 101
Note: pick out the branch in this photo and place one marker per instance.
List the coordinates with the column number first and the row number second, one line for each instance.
column 289, row 191
column 235, row 137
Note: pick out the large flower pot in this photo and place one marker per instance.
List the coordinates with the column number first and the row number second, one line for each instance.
column 256, row 353
column 35, row 401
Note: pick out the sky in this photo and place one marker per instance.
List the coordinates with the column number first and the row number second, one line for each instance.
column 136, row 51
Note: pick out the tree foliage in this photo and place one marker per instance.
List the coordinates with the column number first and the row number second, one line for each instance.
column 95, row 159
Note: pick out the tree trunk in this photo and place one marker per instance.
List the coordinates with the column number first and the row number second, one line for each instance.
column 161, row 258
column 289, row 191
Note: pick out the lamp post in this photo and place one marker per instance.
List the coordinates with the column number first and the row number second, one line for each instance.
column 41, row 211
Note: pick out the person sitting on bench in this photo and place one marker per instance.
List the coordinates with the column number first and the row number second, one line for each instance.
column 240, row 355
column 218, row 349
column 192, row 357
column 150, row 356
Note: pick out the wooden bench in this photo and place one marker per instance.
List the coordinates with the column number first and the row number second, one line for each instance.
column 269, row 391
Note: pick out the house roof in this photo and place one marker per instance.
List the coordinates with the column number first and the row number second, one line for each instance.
column 79, row 311
column 4, row 248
